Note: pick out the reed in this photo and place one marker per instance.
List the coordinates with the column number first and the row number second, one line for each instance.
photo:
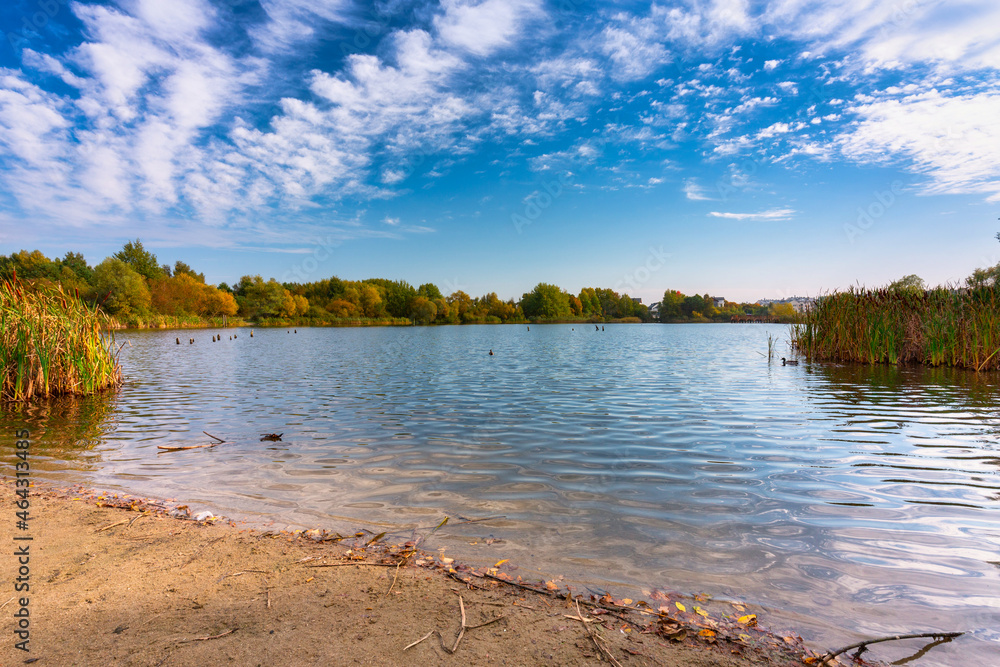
column 52, row 343
column 940, row 327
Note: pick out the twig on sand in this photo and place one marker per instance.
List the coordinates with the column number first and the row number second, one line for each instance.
column 419, row 640
column 241, row 573
column 198, row 552
column 593, row 637
column 8, row 602
column 111, row 525
column 346, row 564
column 135, row 519
column 862, row 646
column 395, row 574
column 213, row 437
column 465, row 626
column 205, row 639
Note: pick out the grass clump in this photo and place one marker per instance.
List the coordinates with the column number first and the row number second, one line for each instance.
column 52, row 343
column 938, row 327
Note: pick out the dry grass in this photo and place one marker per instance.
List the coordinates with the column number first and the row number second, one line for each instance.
column 52, row 343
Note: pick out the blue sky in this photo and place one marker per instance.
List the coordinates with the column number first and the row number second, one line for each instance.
column 745, row 149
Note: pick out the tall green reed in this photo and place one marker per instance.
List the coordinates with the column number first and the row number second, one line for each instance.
column 52, row 343
column 941, row 327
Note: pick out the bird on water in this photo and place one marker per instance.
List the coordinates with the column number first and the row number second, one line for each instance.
column 789, row 362
column 491, row 353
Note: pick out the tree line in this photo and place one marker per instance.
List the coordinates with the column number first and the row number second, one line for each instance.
column 136, row 289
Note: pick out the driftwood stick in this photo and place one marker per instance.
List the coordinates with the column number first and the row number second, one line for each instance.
column 862, row 645
column 593, row 637
column 205, row 639
column 172, row 448
column 212, row 436
column 461, row 633
column 346, row 564
column 395, row 574
column 111, row 525
column 419, row 640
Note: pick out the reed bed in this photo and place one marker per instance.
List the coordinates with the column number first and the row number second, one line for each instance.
column 940, row 327
column 52, row 343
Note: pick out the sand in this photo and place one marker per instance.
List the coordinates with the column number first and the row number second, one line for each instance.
column 124, row 581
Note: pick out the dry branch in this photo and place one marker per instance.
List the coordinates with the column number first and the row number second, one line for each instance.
column 213, row 437
column 593, row 637
column 863, row 645
column 419, row 640
column 205, row 639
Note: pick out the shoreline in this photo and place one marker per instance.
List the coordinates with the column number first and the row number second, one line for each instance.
column 203, row 592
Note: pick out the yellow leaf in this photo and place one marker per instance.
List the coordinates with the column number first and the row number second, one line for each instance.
column 749, row 619
column 551, row 585
column 501, row 562
column 680, row 606
column 626, row 601
column 699, row 610
column 706, row 633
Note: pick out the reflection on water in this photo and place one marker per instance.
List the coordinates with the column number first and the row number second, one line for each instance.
column 856, row 501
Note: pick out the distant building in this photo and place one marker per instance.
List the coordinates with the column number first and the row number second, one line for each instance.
column 719, row 301
column 654, row 309
column 637, row 299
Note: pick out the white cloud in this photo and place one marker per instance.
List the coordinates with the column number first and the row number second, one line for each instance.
column 943, row 137
column 485, row 26
column 771, row 64
column 773, row 214
column 694, row 191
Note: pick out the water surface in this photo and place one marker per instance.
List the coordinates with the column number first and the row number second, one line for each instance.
column 850, row 501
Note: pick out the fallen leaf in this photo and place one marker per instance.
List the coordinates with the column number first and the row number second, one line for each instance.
column 501, row 562
column 551, row 585
column 680, row 606
column 706, row 633
column 447, row 561
column 625, row 602
column 749, row 619
column 700, row 611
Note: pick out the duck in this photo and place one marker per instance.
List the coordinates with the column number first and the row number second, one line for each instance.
column 273, row 437
column 789, row 362
column 491, row 353
column 178, row 341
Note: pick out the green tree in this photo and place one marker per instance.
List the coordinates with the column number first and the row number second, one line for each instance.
column 257, row 298
column 989, row 277
column 547, row 302
column 430, row 290
column 423, row 310
column 74, row 261
column 670, row 306
column 141, row 260
column 180, row 268
column 119, row 289
column 911, row 283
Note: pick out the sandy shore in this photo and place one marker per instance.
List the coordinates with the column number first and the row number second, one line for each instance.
column 125, row 581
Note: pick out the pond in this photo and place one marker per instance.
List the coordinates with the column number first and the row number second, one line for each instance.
column 848, row 501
